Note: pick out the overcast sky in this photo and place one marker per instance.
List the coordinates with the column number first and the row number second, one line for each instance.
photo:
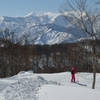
column 13, row 8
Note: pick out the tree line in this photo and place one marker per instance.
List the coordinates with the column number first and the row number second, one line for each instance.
column 15, row 57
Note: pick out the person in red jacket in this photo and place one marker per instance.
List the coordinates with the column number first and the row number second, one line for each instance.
column 73, row 71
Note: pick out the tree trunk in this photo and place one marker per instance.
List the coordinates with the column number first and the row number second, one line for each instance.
column 94, row 78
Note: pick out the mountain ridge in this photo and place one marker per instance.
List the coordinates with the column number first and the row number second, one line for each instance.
column 44, row 28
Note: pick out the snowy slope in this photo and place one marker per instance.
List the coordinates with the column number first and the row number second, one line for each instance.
column 43, row 27
column 57, row 86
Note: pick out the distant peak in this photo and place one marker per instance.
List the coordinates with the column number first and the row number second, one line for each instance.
column 2, row 18
column 40, row 13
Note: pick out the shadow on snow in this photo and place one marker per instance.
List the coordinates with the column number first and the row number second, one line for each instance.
column 80, row 84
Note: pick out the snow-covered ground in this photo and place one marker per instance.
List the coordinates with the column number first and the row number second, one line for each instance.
column 57, row 86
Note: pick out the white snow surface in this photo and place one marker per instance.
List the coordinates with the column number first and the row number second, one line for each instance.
column 56, row 86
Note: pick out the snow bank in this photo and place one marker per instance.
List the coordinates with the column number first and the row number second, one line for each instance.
column 24, row 89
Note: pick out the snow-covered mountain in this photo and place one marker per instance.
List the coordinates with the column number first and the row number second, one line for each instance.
column 41, row 28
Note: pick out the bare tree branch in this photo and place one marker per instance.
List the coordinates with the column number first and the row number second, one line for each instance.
column 84, row 15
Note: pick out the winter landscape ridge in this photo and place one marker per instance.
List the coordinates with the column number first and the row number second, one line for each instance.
column 41, row 28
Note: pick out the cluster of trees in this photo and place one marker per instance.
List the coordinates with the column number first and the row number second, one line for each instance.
column 15, row 57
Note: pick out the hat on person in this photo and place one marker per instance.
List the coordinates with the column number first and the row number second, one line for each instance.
column 73, row 68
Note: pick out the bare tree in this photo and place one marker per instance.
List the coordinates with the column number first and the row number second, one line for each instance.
column 85, row 16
